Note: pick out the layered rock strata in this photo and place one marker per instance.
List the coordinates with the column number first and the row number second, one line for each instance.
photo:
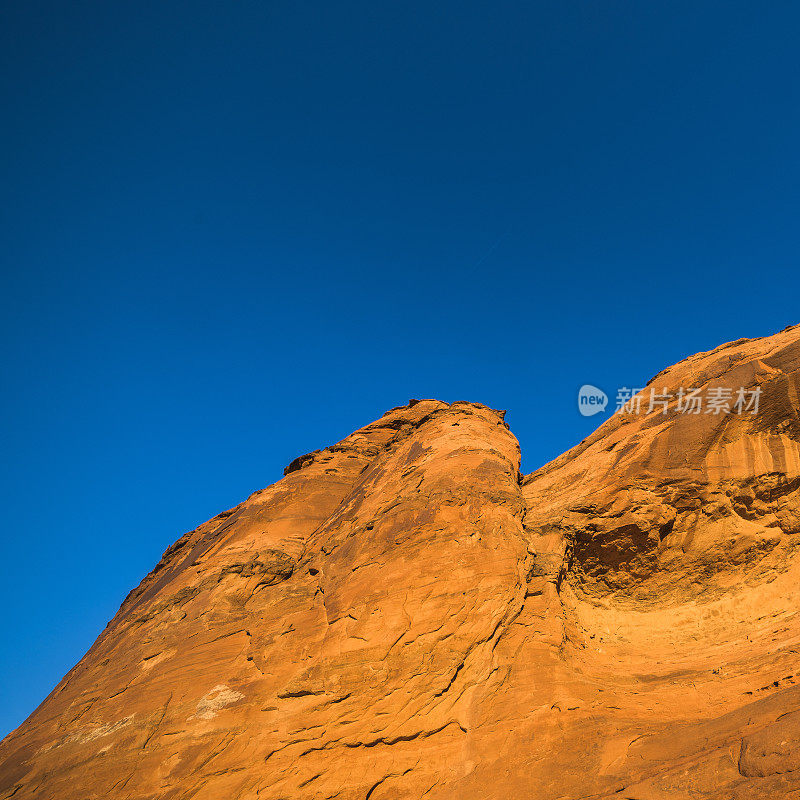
column 405, row 615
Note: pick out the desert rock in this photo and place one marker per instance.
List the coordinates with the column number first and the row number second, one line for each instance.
column 405, row 615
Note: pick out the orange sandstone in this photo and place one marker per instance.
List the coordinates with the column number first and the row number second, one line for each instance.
column 404, row 615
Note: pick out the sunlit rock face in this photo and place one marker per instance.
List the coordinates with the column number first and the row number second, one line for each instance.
column 404, row 615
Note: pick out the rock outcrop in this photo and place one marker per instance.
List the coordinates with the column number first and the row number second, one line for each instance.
column 404, row 615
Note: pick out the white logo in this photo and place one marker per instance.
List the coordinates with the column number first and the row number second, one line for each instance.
column 591, row 400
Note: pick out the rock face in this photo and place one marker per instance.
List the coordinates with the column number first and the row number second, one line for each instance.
column 404, row 615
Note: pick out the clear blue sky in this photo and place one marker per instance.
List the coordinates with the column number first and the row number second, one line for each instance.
column 235, row 232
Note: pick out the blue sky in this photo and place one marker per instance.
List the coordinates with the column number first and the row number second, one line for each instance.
column 235, row 232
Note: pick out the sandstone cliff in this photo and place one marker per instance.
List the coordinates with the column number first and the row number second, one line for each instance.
column 404, row 615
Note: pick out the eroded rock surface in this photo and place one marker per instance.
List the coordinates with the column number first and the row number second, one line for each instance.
column 404, row 615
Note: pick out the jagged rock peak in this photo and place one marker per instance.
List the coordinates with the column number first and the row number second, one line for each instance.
column 404, row 615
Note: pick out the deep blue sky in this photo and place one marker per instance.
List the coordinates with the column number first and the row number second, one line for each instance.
column 235, row 232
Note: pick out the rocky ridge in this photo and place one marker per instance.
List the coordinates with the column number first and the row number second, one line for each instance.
column 405, row 615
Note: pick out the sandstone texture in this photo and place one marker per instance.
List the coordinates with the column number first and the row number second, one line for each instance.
column 404, row 615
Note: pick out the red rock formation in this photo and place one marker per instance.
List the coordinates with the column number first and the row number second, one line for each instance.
column 404, row 615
